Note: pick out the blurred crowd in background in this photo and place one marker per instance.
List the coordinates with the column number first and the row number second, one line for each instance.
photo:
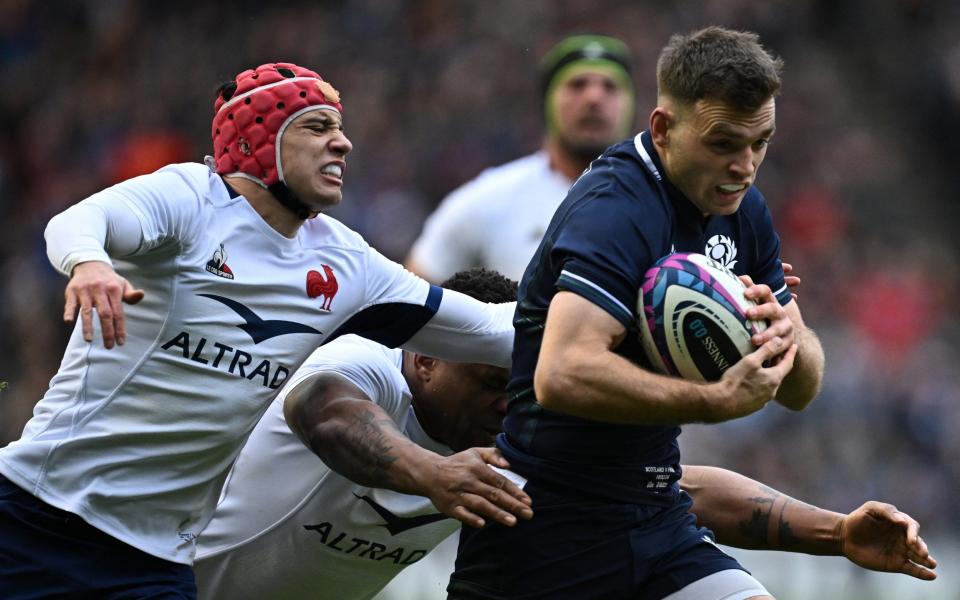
column 861, row 178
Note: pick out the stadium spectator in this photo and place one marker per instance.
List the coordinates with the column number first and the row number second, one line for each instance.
column 233, row 276
column 497, row 220
column 595, row 434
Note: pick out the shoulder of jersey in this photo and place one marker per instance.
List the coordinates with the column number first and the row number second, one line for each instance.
column 324, row 230
column 497, row 179
column 198, row 177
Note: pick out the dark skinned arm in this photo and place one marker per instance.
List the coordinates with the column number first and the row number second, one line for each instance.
column 358, row 439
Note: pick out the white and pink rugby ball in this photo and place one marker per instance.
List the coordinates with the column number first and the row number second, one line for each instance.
column 692, row 315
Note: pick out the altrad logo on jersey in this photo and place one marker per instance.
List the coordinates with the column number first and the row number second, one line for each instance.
column 258, row 328
column 348, row 544
column 218, row 264
column 234, row 360
column 395, row 524
column 322, row 286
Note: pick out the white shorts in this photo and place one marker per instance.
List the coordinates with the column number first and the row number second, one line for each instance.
column 732, row 584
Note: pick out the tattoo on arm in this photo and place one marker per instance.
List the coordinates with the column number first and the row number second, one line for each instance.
column 755, row 529
column 784, row 531
column 362, row 451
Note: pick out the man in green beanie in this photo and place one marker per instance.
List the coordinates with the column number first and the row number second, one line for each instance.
column 497, row 219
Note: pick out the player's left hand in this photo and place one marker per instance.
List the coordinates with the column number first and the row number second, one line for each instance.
column 768, row 308
column 879, row 537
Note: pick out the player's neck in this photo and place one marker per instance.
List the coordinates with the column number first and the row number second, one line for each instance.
column 563, row 161
column 268, row 207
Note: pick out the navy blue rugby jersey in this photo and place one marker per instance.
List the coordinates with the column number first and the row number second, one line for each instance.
column 617, row 220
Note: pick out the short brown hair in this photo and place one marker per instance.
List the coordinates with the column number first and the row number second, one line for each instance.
column 719, row 64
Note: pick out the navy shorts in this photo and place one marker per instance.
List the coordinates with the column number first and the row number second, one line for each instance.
column 46, row 552
column 580, row 548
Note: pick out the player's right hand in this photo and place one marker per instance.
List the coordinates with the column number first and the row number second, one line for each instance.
column 748, row 385
column 95, row 285
column 462, row 486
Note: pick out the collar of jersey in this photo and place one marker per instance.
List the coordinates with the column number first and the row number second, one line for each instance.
column 686, row 210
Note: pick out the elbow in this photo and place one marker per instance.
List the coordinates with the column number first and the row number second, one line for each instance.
column 554, row 385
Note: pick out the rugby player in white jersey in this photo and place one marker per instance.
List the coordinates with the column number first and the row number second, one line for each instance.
column 232, row 276
column 497, row 219
column 291, row 526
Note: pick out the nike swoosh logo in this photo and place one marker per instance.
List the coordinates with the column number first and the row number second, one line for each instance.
column 261, row 329
column 395, row 524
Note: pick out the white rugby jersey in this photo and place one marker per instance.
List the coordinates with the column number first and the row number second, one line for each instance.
column 494, row 221
column 137, row 440
column 289, row 527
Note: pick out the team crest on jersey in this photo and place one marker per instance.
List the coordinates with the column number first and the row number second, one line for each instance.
column 323, row 286
column 218, row 264
column 722, row 249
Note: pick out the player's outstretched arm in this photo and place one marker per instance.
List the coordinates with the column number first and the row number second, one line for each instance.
column 359, row 440
column 579, row 373
column 747, row 514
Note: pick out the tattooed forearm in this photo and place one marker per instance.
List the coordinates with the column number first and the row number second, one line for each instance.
column 757, row 528
column 360, row 449
column 785, row 531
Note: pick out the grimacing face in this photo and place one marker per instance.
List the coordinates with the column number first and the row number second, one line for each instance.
column 313, row 150
column 591, row 111
column 472, row 401
column 711, row 152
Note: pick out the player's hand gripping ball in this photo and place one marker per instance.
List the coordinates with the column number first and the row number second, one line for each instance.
column 693, row 319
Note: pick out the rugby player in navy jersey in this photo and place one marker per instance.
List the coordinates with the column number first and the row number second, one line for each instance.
column 591, row 430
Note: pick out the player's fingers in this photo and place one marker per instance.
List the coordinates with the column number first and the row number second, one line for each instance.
column 70, row 306
column 767, row 351
column 785, row 365
column 501, row 490
column 918, row 571
column 465, row 516
column 503, row 500
column 746, row 279
column 787, row 268
column 492, row 456
column 792, row 281
column 479, row 505
column 115, row 298
column 101, row 302
column 86, row 317
column 759, row 292
column 132, row 295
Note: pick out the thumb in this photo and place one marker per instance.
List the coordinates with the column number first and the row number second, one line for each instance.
column 492, row 456
column 131, row 295
column 773, row 347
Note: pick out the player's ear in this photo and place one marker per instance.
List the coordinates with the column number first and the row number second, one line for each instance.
column 424, row 366
column 661, row 121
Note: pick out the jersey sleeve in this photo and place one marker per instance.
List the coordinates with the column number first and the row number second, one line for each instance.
column 602, row 252
column 369, row 366
column 447, row 243
column 396, row 303
column 769, row 268
column 131, row 217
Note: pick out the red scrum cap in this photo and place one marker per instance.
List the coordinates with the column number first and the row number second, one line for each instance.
column 251, row 116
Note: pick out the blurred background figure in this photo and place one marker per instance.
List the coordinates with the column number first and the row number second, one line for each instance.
column 862, row 183
column 497, row 220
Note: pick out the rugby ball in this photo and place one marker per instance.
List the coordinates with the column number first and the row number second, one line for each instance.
column 693, row 320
